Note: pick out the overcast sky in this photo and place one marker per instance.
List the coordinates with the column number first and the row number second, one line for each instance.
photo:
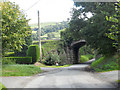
column 50, row 10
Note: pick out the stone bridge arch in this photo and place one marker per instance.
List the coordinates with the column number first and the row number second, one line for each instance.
column 72, row 52
column 75, row 50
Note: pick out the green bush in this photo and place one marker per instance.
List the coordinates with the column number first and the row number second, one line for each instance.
column 8, row 61
column 17, row 60
column 51, row 59
column 97, row 63
column 83, row 58
column 63, row 58
column 90, row 56
column 33, row 51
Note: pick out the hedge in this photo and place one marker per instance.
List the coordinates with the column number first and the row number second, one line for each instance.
column 17, row 60
column 33, row 51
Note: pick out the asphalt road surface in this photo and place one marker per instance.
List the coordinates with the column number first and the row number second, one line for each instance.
column 70, row 77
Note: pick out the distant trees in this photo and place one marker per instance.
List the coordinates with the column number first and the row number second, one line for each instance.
column 54, row 28
column 49, row 29
column 50, row 36
column 15, row 28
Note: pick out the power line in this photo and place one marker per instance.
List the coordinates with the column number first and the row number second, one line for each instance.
column 32, row 6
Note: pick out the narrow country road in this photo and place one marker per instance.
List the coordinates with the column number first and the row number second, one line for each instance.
column 70, row 77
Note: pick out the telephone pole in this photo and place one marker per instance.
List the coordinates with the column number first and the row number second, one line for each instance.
column 39, row 32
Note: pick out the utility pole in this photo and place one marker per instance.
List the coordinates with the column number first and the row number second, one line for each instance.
column 39, row 32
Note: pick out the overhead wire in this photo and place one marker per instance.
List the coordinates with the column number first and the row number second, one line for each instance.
column 32, row 6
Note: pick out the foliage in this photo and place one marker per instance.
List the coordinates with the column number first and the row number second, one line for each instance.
column 8, row 61
column 106, row 63
column 48, row 46
column 66, row 38
column 93, row 29
column 14, row 27
column 20, row 70
column 53, row 28
column 50, row 31
column 85, row 58
column 2, row 87
column 33, row 51
column 114, row 31
column 23, row 52
column 52, row 47
column 17, row 60
column 86, row 49
column 51, row 59
column 90, row 56
column 8, row 54
column 63, row 58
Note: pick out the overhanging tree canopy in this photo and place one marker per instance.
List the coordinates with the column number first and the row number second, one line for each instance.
column 93, row 29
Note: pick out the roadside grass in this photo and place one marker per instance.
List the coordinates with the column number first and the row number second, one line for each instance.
column 20, row 70
column 2, row 87
column 106, row 63
column 53, row 66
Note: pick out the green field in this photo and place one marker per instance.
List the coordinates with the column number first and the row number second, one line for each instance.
column 56, row 34
column 42, row 24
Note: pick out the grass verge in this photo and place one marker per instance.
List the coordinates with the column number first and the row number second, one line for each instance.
column 106, row 63
column 2, row 87
column 20, row 70
column 53, row 66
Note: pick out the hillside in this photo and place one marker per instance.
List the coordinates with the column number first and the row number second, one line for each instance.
column 42, row 24
column 49, row 31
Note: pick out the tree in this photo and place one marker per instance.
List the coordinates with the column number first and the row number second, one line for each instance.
column 15, row 27
column 114, row 31
column 92, row 29
column 28, row 42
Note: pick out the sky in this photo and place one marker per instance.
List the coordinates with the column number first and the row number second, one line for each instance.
column 50, row 10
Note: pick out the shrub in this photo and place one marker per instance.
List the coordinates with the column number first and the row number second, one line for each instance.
column 106, row 63
column 97, row 63
column 90, row 56
column 63, row 59
column 51, row 59
column 33, row 51
column 8, row 61
column 83, row 58
column 17, row 60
